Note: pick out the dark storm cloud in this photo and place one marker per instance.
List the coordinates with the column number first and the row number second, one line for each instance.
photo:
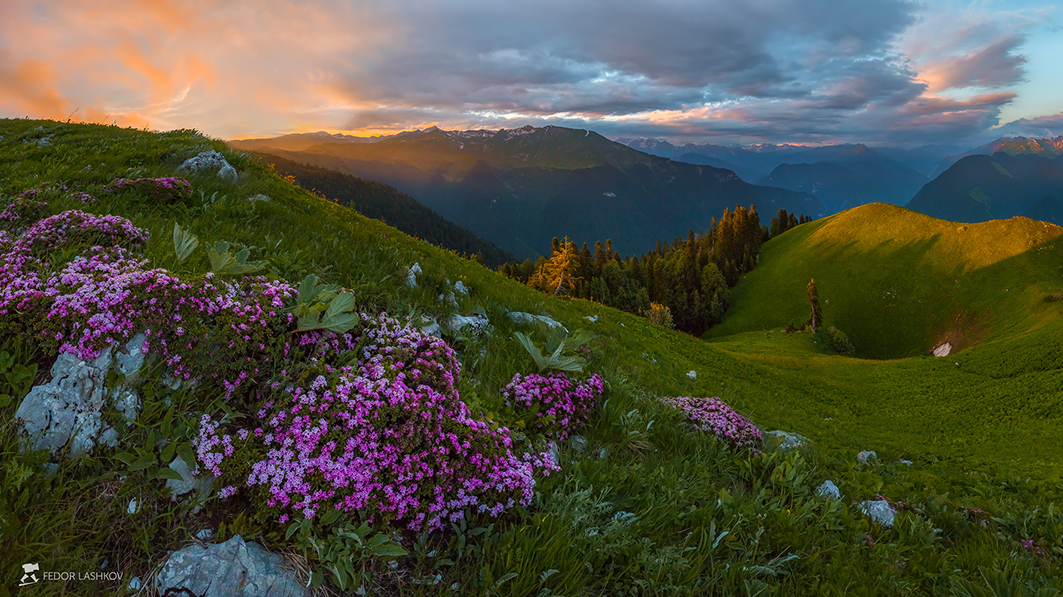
column 621, row 57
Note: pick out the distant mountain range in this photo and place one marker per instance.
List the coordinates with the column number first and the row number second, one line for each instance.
column 842, row 176
column 759, row 160
column 1044, row 147
column 846, row 176
column 981, row 187
column 520, row 188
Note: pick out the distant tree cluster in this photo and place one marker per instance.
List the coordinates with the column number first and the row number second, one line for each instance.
column 685, row 283
column 785, row 221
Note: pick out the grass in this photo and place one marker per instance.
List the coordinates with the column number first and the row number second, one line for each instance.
column 900, row 283
column 645, row 507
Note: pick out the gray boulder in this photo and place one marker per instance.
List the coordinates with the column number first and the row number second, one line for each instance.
column 521, row 317
column 878, row 511
column 68, row 409
column 788, row 441
column 259, row 197
column 460, row 287
column 201, row 484
column 229, row 569
column 211, row 160
column 411, row 275
column 865, row 455
column 829, row 491
column 477, row 322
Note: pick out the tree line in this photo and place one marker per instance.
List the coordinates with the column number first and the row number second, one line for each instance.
column 686, row 281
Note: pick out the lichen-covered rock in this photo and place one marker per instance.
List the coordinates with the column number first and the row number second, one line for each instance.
column 411, row 275
column 460, row 287
column 878, row 511
column 829, row 491
column 477, row 322
column 787, row 441
column 229, row 569
column 521, row 317
column 211, row 160
column 865, row 455
column 201, row 484
column 69, row 408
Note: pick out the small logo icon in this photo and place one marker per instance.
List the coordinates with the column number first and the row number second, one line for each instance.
column 29, row 578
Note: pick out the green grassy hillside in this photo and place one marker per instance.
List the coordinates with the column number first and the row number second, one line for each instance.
column 646, row 505
column 900, row 283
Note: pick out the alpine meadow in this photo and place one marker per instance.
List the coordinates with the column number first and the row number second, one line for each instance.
column 565, row 300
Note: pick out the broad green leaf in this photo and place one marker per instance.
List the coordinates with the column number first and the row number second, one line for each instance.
column 168, row 451
column 168, row 473
column 389, row 550
column 219, row 255
column 340, row 323
column 504, row 579
column 184, row 450
column 184, row 242
column 311, row 321
column 341, row 303
column 125, row 457
column 331, row 516
column 142, row 463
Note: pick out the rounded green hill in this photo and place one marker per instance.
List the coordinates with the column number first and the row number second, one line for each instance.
column 900, row 283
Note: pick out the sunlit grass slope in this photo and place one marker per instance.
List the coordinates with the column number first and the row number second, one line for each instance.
column 900, row 283
column 648, row 506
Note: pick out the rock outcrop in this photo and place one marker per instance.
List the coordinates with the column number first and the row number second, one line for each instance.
column 229, row 569
column 211, row 160
column 69, row 408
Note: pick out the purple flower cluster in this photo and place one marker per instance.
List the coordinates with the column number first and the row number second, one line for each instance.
column 1033, row 549
column 106, row 295
column 553, row 404
column 368, row 420
column 77, row 228
column 716, row 417
column 168, row 190
column 388, row 435
column 23, row 211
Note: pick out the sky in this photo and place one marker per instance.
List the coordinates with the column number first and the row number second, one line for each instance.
column 883, row 72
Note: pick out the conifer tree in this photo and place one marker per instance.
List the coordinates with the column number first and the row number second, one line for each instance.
column 816, row 318
column 558, row 275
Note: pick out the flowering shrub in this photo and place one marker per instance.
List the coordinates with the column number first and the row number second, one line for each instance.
column 22, row 212
column 553, row 404
column 388, row 435
column 713, row 415
column 167, row 190
column 207, row 328
column 79, row 229
column 368, row 420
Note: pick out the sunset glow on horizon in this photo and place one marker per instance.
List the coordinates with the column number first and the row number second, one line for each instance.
column 878, row 72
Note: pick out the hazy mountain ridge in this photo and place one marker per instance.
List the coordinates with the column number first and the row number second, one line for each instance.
column 847, row 176
column 765, row 157
column 979, row 187
column 1040, row 146
column 520, row 188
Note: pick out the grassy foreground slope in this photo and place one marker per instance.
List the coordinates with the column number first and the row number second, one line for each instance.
column 647, row 506
column 900, row 283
